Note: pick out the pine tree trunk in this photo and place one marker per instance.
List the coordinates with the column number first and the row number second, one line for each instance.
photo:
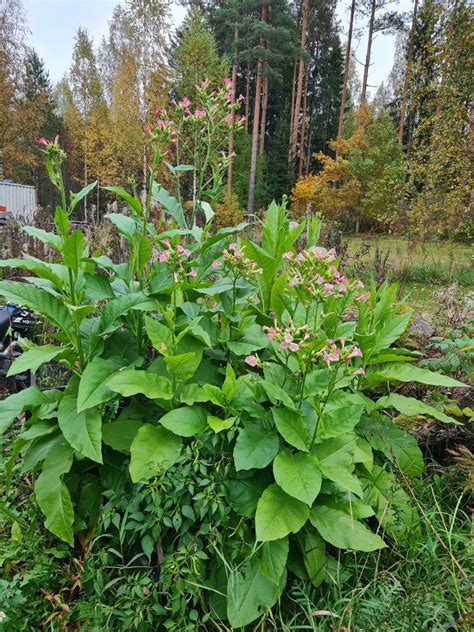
column 299, row 88
column 264, row 110
column 255, row 129
column 247, row 98
column 406, row 81
column 370, row 37
column 303, row 123
column 346, row 72
column 292, row 109
column 231, row 134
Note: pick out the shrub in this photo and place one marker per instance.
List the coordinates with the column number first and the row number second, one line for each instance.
column 218, row 399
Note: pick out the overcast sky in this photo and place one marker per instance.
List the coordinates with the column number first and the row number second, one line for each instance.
column 53, row 24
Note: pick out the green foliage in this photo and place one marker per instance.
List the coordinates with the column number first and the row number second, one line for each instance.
column 215, row 399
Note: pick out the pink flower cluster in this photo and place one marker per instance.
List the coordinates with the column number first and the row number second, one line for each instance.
column 163, row 130
column 171, row 254
column 233, row 259
column 314, row 270
column 338, row 351
column 290, row 338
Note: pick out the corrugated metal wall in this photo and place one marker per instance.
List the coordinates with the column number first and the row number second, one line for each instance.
column 19, row 200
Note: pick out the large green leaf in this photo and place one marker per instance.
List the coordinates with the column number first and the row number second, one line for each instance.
column 395, row 443
column 298, row 474
column 186, row 421
column 38, row 300
column 335, row 457
column 34, row 357
column 314, row 554
column 296, row 428
column 12, row 406
column 130, row 382
column 83, row 431
column 243, row 494
column 133, row 202
column 392, row 505
column 44, row 270
column 403, row 372
column 73, row 250
column 391, row 331
column 248, row 596
column 411, row 407
column 52, row 493
column 48, row 238
column 160, row 335
column 77, row 197
column 153, row 449
column 93, row 389
column 170, row 204
column 120, row 434
column 126, row 226
column 278, row 514
column 255, row 447
column 119, row 307
column 182, row 366
column 342, row 530
column 273, row 559
column 340, row 420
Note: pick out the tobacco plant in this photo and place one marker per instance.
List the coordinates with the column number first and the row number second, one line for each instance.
column 262, row 363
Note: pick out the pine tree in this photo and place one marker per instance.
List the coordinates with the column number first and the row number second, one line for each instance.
column 440, row 162
column 196, row 58
column 12, row 54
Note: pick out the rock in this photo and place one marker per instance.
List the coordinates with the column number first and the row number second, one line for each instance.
column 421, row 326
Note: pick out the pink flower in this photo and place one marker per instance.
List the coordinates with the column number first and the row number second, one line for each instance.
column 42, row 141
column 293, row 282
column 294, row 347
column 331, row 357
column 205, row 84
column 288, row 255
column 163, row 258
column 233, row 246
column 229, row 118
column 359, row 371
column 341, row 288
column 199, row 113
column 342, row 340
column 288, row 337
column 319, row 279
column 241, row 97
column 193, row 273
column 228, row 82
column 361, row 297
column 215, row 264
column 185, row 102
column 356, row 352
column 328, row 287
column 360, row 285
column 284, row 345
column 183, row 251
column 252, row 360
column 270, row 331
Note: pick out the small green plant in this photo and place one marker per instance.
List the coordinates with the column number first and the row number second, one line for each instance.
column 225, row 406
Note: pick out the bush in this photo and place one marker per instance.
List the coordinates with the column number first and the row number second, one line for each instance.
column 223, row 420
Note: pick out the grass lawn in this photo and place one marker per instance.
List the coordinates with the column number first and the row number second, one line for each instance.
column 433, row 262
